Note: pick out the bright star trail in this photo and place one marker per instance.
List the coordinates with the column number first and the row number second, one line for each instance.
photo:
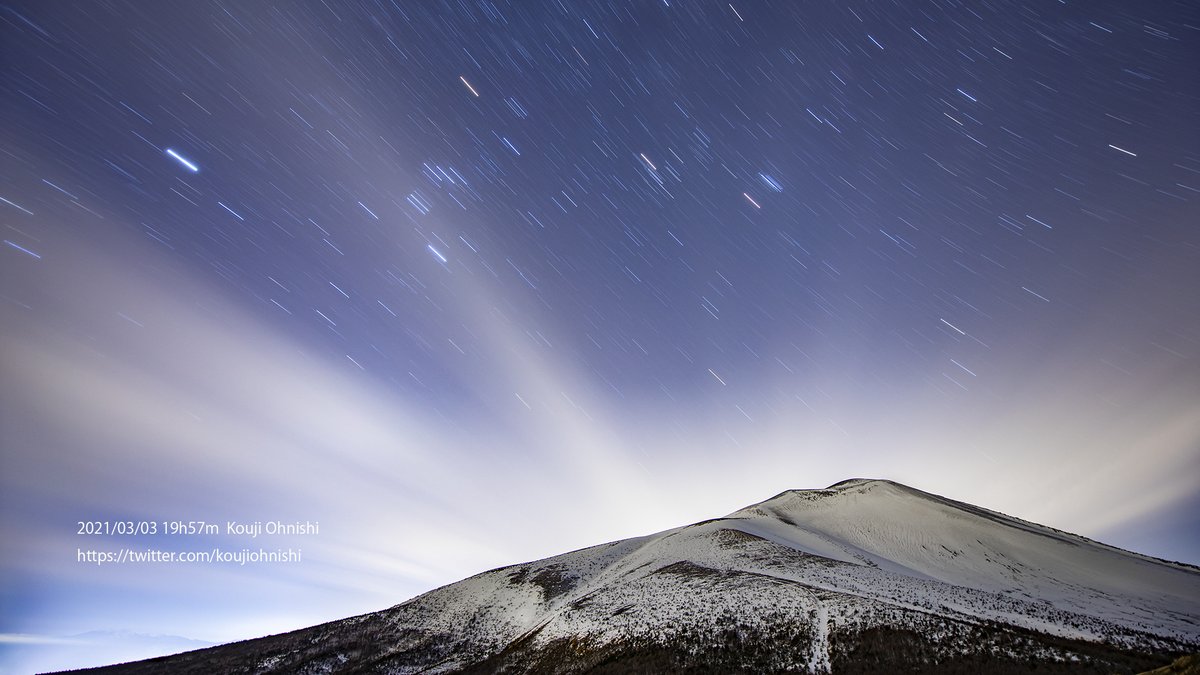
column 22, row 249
column 437, row 254
column 182, row 160
column 472, row 283
column 472, row 89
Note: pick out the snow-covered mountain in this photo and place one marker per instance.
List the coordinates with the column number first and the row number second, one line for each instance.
column 864, row 576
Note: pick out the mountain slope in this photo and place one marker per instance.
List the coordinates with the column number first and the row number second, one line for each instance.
column 865, row 576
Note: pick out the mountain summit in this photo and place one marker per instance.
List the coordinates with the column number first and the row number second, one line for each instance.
column 863, row 576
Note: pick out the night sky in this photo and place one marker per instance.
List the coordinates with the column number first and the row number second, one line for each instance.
column 472, row 283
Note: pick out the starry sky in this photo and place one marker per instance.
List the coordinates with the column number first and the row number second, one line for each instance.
column 476, row 282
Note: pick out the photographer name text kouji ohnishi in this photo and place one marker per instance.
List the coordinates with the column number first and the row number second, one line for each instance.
column 271, row 528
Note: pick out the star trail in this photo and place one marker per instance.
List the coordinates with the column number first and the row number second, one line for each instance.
column 528, row 275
